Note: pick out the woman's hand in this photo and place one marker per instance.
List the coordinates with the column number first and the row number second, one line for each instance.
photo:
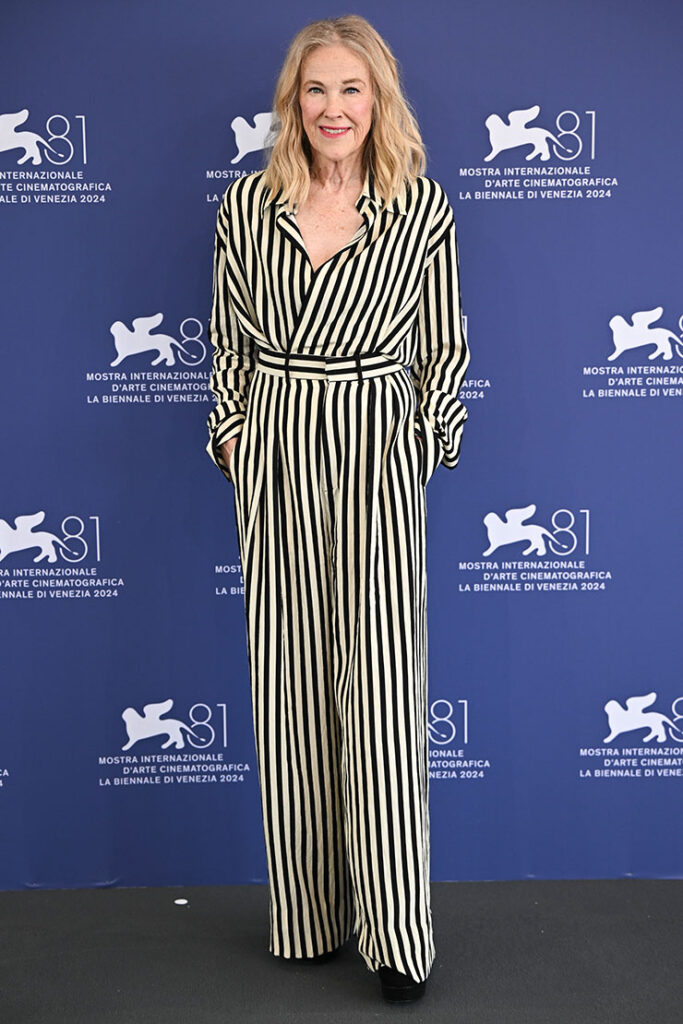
column 227, row 450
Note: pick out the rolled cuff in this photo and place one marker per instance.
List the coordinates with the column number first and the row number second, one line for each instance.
column 445, row 430
column 218, row 435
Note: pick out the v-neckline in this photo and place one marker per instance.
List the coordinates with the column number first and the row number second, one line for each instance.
column 314, row 270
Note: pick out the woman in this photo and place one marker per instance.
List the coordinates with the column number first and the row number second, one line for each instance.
column 336, row 272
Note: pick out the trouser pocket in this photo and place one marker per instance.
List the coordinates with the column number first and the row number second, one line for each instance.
column 430, row 447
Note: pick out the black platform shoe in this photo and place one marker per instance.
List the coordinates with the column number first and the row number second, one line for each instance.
column 398, row 987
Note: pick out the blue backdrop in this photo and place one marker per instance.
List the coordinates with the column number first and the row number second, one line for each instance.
column 554, row 566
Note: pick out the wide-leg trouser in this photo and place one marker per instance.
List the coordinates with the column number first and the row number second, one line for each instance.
column 329, row 483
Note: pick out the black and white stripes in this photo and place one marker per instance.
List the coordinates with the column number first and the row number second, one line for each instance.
column 393, row 289
column 342, row 386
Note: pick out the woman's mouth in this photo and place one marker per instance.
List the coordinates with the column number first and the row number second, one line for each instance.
column 333, row 133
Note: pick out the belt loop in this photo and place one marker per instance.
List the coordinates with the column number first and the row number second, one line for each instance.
column 287, row 366
column 360, row 372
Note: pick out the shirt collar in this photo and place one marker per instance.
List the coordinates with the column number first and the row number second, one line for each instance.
column 368, row 197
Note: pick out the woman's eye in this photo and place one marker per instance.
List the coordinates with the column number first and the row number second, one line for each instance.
column 316, row 88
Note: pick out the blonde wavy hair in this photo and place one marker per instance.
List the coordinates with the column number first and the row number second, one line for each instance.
column 393, row 148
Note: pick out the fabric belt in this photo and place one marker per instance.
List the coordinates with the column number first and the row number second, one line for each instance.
column 297, row 364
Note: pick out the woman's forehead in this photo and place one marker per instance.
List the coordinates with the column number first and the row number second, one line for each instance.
column 335, row 64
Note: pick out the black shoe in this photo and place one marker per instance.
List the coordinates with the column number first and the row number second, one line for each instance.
column 398, row 987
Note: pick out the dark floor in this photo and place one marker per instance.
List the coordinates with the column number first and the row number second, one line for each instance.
column 593, row 952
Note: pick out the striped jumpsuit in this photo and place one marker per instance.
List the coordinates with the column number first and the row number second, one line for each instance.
column 342, row 383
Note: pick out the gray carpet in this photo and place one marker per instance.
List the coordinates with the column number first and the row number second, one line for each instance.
column 551, row 952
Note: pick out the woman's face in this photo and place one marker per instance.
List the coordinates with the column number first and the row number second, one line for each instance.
column 335, row 92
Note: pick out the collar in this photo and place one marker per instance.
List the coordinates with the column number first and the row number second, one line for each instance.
column 368, row 197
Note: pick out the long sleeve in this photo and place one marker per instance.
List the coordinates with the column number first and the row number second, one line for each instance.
column 233, row 359
column 442, row 354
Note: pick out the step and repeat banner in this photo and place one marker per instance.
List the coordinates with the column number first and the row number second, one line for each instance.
column 554, row 551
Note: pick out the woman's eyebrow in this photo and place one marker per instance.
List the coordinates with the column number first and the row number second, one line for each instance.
column 347, row 81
